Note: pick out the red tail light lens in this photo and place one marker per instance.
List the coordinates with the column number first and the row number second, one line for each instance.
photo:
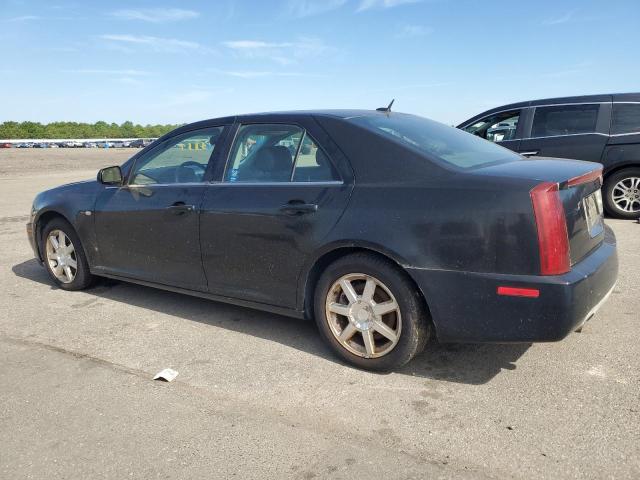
column 586, row 178
column 553, row 240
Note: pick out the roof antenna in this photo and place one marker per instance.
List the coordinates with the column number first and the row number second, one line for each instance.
column 386, row 109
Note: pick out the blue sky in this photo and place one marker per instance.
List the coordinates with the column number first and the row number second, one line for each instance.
column 174, row 62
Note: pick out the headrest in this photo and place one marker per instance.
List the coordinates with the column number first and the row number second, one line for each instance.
column 275, row 162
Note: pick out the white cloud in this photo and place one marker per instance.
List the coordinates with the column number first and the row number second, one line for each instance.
column 307, row 8
column 156, row 15
column 253, row 45
column 558, row 20
column 261, row 74
column 23, row 18
column 414, row 31
column 129, row 73
column 159, row 44
column 369, row 4
column 283, row 53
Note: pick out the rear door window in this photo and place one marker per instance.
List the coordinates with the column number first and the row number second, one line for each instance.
column 561, row 120
column 625, row 118
column 267, row 153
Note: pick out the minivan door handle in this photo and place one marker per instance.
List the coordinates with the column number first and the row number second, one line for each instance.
column 531, row 153
column 298, row 207
column 180, row 208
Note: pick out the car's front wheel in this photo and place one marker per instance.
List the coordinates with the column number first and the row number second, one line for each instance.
column 370, row 313
column 64, row 257
column 622, row 193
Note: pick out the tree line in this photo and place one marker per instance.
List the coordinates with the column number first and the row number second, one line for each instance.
column 15, row 130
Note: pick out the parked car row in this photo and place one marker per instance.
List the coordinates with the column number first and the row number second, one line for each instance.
column 138, row 143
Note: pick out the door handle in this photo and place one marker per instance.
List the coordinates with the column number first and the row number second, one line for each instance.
column 532, row 153
column 298, row 207
column 180, row 208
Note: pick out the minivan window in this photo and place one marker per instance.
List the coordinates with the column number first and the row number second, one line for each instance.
column 439, row 142
column 561, row 120
column 498, row 127
column 625, row 118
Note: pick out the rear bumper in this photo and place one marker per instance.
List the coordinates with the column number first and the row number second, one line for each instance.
column 465, row 306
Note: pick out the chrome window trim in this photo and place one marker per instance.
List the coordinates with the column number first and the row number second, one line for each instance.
column 219, row 183
column 148, row 185
column 274, row 184
column 624, row 134
column 563, row 104
column 568, row 135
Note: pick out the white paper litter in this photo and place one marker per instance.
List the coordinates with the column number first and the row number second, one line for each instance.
column 166, row 375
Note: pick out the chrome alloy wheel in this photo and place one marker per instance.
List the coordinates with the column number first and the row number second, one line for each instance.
column 363, row 315
column 626, row 194
column 61, row 256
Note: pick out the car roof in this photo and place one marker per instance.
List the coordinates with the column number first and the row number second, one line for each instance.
column 287, row 115
column 615, row 97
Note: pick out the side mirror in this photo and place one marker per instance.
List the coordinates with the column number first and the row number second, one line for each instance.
column 110, row 176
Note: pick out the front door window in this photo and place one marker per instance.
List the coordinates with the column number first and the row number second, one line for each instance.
column 181, row 159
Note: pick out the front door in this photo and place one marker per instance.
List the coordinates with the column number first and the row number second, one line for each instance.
column 148, row 229
column 279, row 197
column 567, row 131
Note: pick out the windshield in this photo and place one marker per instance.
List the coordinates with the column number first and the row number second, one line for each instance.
column 447, row 144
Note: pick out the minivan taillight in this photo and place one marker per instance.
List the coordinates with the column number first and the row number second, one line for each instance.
column 553, row 240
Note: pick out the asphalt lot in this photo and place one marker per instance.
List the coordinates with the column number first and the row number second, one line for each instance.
column 259, row 395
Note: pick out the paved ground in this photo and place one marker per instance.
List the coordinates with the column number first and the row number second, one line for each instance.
column 259, row 396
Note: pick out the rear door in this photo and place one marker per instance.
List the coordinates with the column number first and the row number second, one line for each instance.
column 278, row 197
column 504, row 128
column 576, row 131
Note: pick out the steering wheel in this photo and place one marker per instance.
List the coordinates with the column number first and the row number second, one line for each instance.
column 189, row 168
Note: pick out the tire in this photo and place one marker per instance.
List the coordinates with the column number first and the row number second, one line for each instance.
column 409, row 323
column 629, row 180
column 72, row 254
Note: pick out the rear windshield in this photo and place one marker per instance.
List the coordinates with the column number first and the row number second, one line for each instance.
column 437, row 141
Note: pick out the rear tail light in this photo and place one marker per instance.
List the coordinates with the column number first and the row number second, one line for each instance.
column 586, row 178
column 553, row 240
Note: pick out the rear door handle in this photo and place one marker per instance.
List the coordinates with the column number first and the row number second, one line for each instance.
column 180, row 208
column 531, row 153
column 298, row 207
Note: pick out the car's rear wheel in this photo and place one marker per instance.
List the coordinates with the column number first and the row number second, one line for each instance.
column 64, row 257
column 370, row 313
column 622, row 193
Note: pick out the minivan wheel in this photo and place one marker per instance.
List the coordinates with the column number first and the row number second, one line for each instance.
column 370, row 313
column 622, row 193
column 64, row 257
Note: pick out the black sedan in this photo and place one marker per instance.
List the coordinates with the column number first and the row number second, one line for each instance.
column 386, row 228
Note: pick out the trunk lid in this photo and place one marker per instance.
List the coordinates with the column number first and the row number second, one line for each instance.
column 579, row 186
